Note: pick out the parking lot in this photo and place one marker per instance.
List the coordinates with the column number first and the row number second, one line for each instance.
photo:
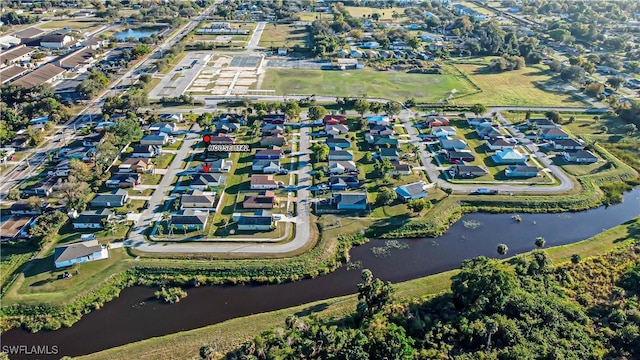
column 176, row 81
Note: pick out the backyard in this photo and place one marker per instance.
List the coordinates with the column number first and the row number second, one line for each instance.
column 384, row 84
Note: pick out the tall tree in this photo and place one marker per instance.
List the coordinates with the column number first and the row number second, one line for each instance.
column 478, row 109
column 392, row 108
column 317, row 112
column 361, row 106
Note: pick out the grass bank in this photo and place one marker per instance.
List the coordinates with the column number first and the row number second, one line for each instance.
column 231, row 333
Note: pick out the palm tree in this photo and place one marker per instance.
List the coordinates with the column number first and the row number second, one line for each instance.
column 502, row 249
column 160, row 228
column 492, row 328
column 539, row 242
column 172, row 227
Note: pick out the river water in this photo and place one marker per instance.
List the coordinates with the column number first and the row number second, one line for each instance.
column 136, row 315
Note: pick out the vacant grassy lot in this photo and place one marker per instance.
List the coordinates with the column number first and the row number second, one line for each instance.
column 163, row 161
column 513, row 87
column 11, row 260
column 85, row 25
column 385, row 14
column 386, row 84
column 275, row 35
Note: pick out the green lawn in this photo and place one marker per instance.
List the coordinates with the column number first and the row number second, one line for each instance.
column 151, row 179
column 513, row 87
column 276, row 35
column 11, row 260
column 39, row 283
column 386, row 84
column 82, row 24
column 163, row 161
column 385, row 14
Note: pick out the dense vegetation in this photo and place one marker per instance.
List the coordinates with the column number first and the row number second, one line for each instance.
column 523, row 309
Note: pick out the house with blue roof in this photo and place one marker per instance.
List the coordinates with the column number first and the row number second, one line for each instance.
column 413, row 191
column 509, row 156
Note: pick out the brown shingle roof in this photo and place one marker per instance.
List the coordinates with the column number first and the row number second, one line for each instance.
column 15, row 52
column 28, row 33
column 39, row 76
column 11, row 72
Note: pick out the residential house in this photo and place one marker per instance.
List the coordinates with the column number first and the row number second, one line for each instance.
column 381, row 130
column 217, row 166
column 478, row 121
column 400, row 168
column 138, row 165
column 542, row 123
column 158, row 139
column 566, row 144
column 263, row 200
column 521, row 171
column 467, row 171
column 356, row 53
column 103, row 125
column 92, row 219
column 116, row 199
column 338, row 154
column 261, row 220
column 163, row 127
column 277, row 140
column 173, row 118
column 205, row 181
column 124, row 180
column 378, row 120
column 78, row 153
column 23, row 208
column 499, row 143
column 269, row 154
column 379, row 141
column 221, row 140
column 341, row 167
column 343, row 182
column 189, row 220
column 198, row 200
column 389, row 153
column 272, row 129
column 226, row 128
column 351, row 201
column 334, row 119
column 274, row 118
column 266, row 166
column 16, row 55
column 42, row 188
column 553, row 134
column 145, row 151
column 509, row 156
column 16, row 227
column 338, row 142
column 579, row 156
column 413, row 191
column 487, row 132
column 452, row 144
column 263, row 182
column 436, row 120
column 455, row 156
column 78, row 253
column 443, row 131
column 337, row 129
column 342, row 53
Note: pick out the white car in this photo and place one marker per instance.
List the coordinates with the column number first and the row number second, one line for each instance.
column 277, row 217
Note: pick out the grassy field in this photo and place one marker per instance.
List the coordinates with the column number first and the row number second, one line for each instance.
column 86, row 25
column 39, row 283
column 231, row 333
column 284, row 35
column 385, row 14
column 513, row 88
column 385, row 84
column 163, row 161
column 11, row 260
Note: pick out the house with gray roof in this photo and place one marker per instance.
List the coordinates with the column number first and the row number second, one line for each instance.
column 521, row 171
column 198, row 200
column 339, row 154
column 92, row 219
column 189, row 219
column 78, row 253
column 204, row 181
column 413, row 191
column 261, row 220
column 116, row 199
column 452, row 144
column 351, row 201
